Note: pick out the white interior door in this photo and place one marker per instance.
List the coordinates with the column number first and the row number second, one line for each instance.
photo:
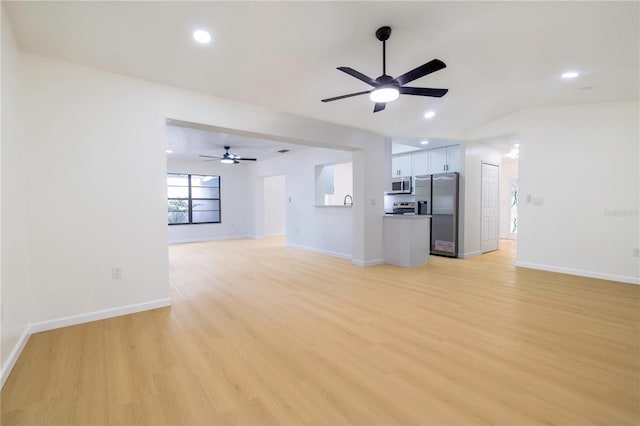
column 490, row 188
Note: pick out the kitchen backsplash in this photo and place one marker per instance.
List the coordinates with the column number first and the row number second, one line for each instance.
column 390, row 199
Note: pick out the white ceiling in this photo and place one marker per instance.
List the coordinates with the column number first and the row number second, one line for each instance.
column 500, row 56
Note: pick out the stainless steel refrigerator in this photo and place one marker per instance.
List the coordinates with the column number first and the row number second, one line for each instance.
column 437, row 195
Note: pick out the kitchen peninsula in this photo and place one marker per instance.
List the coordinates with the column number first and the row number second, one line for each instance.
column 406, row 239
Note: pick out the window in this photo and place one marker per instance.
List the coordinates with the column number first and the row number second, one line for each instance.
column 193, row 199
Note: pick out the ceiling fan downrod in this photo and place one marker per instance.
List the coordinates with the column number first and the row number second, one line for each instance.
column 383, row 34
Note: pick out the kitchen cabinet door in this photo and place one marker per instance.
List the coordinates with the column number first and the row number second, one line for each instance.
column 401, row 165
column 445, row 160
column 395, row 166
column 438, row 160
column 453, row 158
column 405, row 165
column 420, row 163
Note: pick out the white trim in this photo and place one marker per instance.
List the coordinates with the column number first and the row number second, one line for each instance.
column 14, row 355
column 205, row 239
column 277, row 234
column 321, row 251
column 98, row 315
column 471, row 254
column 580, row 272
column 368, row 262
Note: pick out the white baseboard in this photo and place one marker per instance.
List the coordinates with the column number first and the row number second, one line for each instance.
column 580, row 272
column 14, row 355
column 321, row 251
column 98, row 315
column 277, row 234
column 74, row 320
column 367, row 262
column 471, row 254
column 205, row 239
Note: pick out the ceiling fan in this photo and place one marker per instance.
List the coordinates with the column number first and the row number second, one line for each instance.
column 386, row 88
column 228, row 158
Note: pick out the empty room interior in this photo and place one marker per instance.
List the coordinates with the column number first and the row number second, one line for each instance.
column 320, row 213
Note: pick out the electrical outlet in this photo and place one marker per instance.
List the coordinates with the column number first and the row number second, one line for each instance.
column 116, row 273
column 636, row 252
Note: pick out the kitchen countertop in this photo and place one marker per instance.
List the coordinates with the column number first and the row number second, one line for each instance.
column 407, row 216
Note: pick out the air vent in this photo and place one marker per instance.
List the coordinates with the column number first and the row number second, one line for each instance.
column 282, row 151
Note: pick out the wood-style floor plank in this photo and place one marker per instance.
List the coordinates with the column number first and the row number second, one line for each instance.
column 262, row 334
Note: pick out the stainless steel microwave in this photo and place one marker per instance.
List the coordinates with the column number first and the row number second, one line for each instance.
column 401, row 185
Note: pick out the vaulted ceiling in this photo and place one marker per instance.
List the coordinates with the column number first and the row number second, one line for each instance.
column 500, row 56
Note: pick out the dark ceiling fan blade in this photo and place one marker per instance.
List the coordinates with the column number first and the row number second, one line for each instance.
column 244, row 159
column 423, row 91
column 424, row 69
column 208, row 156
column 379, row 106
column 345, row 96
column 359, row 76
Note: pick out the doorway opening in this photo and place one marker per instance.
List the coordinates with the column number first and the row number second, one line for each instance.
column 510, row 195
column 275, row 212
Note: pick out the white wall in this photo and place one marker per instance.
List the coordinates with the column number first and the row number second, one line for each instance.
column 98, row 160
column 508, row 172
column 14, row 277
column 97, row 185
column 471, row 196
column 274, row 205
column 256, row 203
column 327, row 230
column 580, row 162
column 233, row 201
column 96, row 176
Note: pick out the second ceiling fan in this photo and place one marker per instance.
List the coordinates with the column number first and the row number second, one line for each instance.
column 227, row 157
column 386, row 88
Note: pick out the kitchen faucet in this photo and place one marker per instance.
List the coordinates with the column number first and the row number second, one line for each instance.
column 345, row 200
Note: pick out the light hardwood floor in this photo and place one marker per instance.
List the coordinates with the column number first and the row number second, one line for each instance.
column 263, row 334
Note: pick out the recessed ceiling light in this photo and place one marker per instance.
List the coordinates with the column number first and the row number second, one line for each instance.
column 169, row 151
column 424, row 142
column 570, row 74
column 202, row 36
column 429, row 114
column 516, row 145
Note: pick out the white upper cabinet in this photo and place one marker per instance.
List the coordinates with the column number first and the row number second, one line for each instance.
column 454, row 162
column 401, row 165
column 420, row 163
column 426, row 162
column 438, row 160
column 444, row 160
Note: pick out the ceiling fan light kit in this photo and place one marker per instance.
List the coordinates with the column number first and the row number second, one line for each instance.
column 386, row 88
column 386, row 94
